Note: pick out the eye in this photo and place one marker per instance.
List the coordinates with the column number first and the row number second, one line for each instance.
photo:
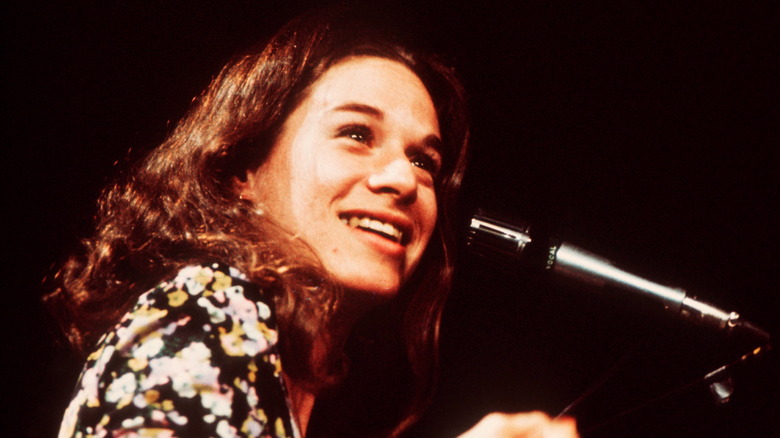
column 426, row 161
column 359, row 133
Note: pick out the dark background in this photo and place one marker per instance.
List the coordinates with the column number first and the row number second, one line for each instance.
column 642, row 131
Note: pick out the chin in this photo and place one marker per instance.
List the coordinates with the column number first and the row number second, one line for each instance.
column 383, row 290
column 369, row 275
column 375, row 285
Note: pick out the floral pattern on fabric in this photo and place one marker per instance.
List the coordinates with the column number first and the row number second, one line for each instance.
column 196, row 357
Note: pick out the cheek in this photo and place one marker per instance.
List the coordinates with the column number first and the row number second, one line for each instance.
column 335, row 172
column 427, row 215
column 429, row 212
column 322, row 172
column 309, row 179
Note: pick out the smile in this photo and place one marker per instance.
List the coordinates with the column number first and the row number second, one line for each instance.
column 384, row 229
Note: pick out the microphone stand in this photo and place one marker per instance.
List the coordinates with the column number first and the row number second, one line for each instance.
column 719, row 381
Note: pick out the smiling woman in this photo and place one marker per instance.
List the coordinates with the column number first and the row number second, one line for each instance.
column 351, row 155
column 307, row 192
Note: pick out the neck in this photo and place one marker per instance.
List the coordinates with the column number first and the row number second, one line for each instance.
column 354, row 305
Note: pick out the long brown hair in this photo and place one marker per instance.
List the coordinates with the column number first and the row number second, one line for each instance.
column 178, row 206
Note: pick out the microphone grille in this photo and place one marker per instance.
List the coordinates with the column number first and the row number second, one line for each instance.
column 497, row 239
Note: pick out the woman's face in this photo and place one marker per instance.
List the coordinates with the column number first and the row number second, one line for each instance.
column 352, row 173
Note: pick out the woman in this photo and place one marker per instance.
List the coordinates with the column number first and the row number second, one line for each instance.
column 298, row 211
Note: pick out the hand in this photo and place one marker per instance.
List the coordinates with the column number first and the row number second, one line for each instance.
column 524, row 425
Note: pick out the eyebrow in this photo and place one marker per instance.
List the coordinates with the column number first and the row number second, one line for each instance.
column 360, row 108
column 434, row 142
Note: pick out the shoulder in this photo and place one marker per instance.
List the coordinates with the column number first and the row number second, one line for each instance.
column 193, row 355
column 209, row 300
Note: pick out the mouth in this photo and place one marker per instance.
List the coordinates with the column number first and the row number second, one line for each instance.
column 386, row 230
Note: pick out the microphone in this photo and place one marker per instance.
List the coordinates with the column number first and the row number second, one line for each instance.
column 511, row 243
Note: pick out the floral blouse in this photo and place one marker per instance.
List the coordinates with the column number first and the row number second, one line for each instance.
column 196, row 357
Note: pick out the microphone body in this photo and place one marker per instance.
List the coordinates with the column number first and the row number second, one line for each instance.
column 510, row 243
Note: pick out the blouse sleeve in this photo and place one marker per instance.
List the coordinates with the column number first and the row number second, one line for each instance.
column 196, row 357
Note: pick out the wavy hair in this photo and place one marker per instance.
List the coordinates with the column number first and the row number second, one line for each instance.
column 179, row 206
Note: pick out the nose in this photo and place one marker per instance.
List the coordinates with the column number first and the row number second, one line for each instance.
column 396, row 177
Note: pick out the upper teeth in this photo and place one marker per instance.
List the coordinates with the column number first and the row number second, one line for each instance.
column 375, row 225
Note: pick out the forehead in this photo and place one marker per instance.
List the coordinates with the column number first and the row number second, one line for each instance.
column 388, row 85
column 356, row 67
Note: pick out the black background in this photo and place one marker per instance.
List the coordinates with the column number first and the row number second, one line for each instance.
column 643, row 131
